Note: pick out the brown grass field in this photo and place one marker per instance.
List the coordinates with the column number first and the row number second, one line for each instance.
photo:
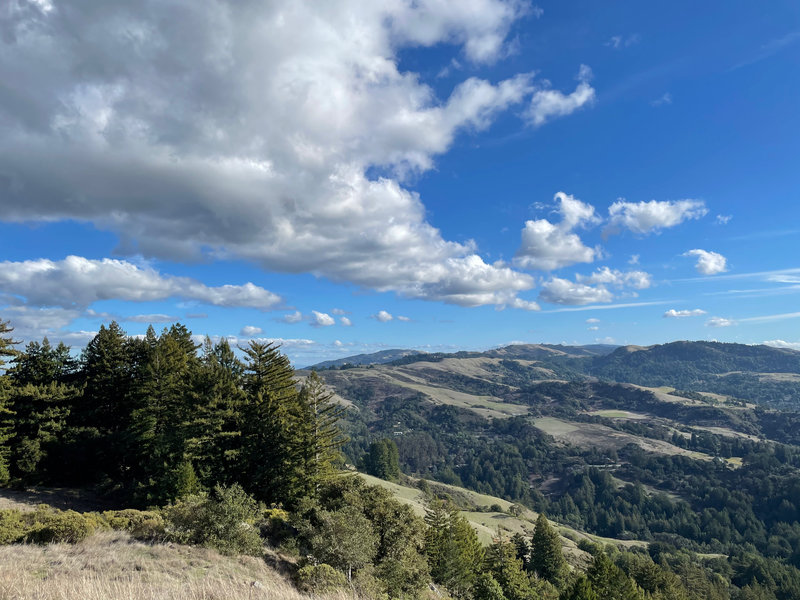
column 111, row 565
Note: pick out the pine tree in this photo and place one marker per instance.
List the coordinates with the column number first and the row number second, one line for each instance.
column 7, row 351
column 321, row 439
column 164, row 408
column 609, row 581
column 506, row 568
column 271, row 426
column 580, row 589
column 547, row 559
column 215, row 439
column 382, row 460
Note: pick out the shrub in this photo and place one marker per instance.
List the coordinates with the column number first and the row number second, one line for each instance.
column 320, row 579
column 49, row 526
column 12, row 528
column 141, row 524
column 224, row 522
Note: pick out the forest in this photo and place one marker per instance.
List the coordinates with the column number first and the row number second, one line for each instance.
column 231, row 448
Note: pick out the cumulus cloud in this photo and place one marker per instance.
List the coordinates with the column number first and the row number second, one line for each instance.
column 78, row 282
column 321, row 319
column 167, row 125
column 708, row 263
column 723, row 219
column 251, row 330
column 648, row 217
column 592, row 321
column 404, row 319
column 564, row 291
column 338, row 311
column 547, row 104
column 681, row 314
column 639, row 280
column 383, row 316
column 549, row 246
column 345, row 322
column 292, row 318
column 720, row 322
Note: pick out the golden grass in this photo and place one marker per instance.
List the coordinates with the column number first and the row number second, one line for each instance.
column 111, row 566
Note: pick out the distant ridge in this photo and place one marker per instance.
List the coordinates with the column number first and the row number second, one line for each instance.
column 375, row 358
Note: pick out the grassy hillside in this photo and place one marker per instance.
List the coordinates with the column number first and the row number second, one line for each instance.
column 112, row 565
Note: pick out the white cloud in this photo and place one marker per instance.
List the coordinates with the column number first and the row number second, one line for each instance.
column 563, row 291
column 549, row 104
column 345, row 322
column 261, row 159
column 321, row 319
column 250, row 331
column 636, row 279
column 720, row 322
column 153, row 318
column 338, row 311
column 592, row 321
column 648, row 217
column 383, row 316
column 680, row 314
column 593, row 328
column 79, row 282
column 663, row 100
column 708, row 263
column 292, row 318
column 623, row 41
column 404, row 319
column 634, row 259
column 723, row 219
column 782, row 344
column 547, row 246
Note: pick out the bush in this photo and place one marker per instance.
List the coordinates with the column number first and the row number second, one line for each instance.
column 141, row 524
column 12, row 528
column 320, row 579
column 50, row 527
column 224, row 522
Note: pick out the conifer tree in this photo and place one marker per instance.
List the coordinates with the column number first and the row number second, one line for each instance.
column 271, row 426
column 7, row 352
column 215, row 440
column 506, row 568
column 580, row 589
column 382, row 460
column 321, row 438
column 609, row 581
column 547, row 559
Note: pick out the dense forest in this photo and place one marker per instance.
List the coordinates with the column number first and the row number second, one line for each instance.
column 195, row 440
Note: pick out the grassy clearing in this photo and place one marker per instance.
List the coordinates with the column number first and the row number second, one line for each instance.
column 618, row 414
column 112, row 565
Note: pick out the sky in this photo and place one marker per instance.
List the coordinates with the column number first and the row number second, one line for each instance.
column 355, row 175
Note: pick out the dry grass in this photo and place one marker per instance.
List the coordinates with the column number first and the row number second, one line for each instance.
column 113, row 566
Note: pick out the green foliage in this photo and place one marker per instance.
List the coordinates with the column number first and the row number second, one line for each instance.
column 320, row 579
column 141, row 524
column 487, row 588
column 383, row 460
column 48, row 526
column 547, row 559
column 580, row 589
column 346, row 539
column 12, row 527
column 508, row 571
column 225, row 521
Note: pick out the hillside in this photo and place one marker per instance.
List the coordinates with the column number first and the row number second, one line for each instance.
column 375, row 358
column 112, row 565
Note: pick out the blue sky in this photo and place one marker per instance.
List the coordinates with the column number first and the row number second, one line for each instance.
column 360, row 175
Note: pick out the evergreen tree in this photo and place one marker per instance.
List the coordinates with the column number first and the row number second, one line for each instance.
column 383, row 460
column 454, row 553
column 321, row 439
column 580, row 589
column 164, row 407
column 215, row 439
column 271, row 427
column 609, row 581
column 507, row 570
column 7, row 351
column 547, row 559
